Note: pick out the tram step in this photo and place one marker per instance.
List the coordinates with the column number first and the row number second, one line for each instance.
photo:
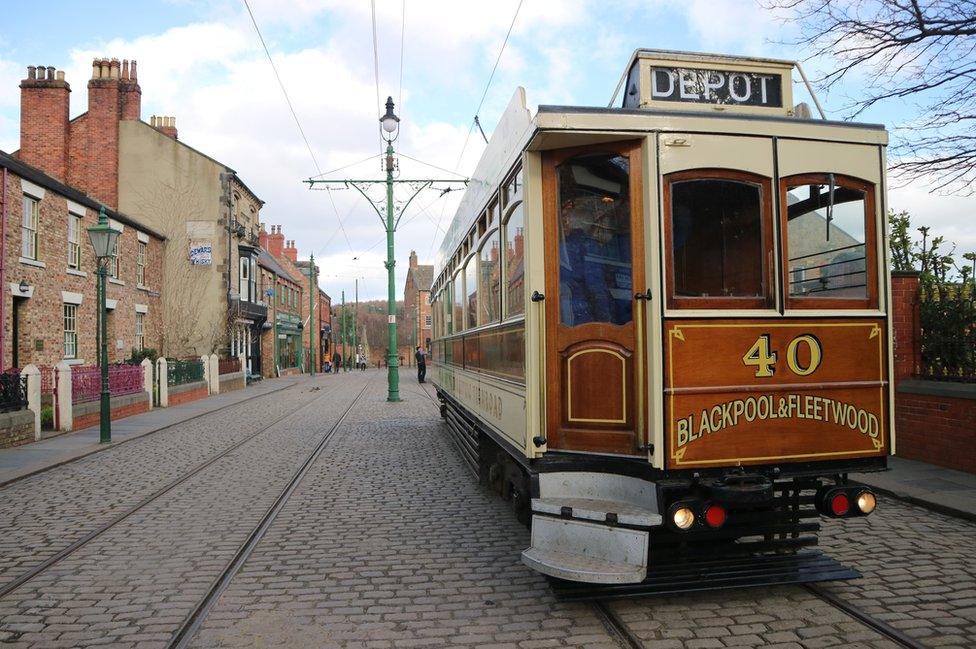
column 610, row 511
column 578, row 550
column 598, row 486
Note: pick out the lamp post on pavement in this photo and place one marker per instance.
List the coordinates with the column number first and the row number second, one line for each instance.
column 103, row 239
column 312, row 293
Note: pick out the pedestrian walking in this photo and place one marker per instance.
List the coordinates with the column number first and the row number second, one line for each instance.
column 421, row 365
column 336, row 362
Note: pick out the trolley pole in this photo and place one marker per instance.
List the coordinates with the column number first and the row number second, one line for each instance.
column 390, row 217
column 311, row 315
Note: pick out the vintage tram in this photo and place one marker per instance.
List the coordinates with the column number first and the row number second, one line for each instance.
column 662, row 329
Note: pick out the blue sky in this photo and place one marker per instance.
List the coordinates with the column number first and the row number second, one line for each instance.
column 201, row 61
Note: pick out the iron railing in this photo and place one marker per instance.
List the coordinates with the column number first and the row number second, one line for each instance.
column 13, row 391
column 86, row 382
column 947, row 318
column 183, row 371
column 228, row 365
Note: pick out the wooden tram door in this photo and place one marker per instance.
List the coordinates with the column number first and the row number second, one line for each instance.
column 595, row 292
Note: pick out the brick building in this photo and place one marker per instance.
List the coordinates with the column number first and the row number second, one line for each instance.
column 46, row 259
column 207, row 214
column 283, row 287
column 320, row 333
column 416, row 304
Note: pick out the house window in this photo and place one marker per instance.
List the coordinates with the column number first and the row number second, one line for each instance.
column 28, row 246
column 428, row 321
column 115, row 262
column 244, row 283
column 140, row 331
column 71, row 331
column 74, row 241
column 254, row 278
column 141, row 264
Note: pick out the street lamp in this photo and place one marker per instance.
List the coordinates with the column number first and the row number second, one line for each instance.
column 103, row 239
column 391, row 125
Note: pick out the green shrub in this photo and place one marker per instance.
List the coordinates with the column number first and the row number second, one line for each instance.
column 47, row 417
column 139, row 354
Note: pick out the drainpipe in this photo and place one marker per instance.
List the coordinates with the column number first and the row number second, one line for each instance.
column 3, row 272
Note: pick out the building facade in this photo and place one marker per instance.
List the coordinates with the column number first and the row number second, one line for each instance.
column 416, row 304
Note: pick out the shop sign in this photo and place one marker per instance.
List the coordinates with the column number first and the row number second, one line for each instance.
column 700, row 86
column 201, row 253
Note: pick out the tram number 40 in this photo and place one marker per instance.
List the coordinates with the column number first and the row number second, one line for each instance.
column 764, row 360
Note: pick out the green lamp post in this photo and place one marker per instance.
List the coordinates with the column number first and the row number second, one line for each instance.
column 103, row 239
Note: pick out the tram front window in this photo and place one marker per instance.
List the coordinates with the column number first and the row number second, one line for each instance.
column 595, row 275
column 717, row 239
column 826, row 242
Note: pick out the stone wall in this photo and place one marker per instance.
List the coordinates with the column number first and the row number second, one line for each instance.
column 16, row 428
column 86, row 415
column 232, row 381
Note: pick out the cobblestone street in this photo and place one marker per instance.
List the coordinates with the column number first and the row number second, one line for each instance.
column 388, row 541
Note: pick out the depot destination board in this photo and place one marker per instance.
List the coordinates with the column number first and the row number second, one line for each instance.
column 759, row 392
column 716, row 87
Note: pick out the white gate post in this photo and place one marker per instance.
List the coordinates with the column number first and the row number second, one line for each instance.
column 163, row 376
column 213, row 363
column 62, row 373
column 206, row 373
column 34, row 395
column 147, row 379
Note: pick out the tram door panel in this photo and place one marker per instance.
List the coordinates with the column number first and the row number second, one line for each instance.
column 594, row 298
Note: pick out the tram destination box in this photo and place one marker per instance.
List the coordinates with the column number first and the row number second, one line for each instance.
column 662, row 80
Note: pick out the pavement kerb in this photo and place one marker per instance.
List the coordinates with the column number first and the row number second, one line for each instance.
column 919, row 502
column 99, row 449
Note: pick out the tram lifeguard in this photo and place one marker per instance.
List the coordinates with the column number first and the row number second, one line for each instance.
column 682, row 81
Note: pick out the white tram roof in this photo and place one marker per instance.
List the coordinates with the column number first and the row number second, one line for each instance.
column 664, row 91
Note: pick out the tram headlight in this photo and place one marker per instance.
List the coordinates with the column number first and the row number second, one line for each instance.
column 682, row 516
column 866, row 502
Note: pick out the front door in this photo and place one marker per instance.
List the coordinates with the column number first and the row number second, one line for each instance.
column 594, row 298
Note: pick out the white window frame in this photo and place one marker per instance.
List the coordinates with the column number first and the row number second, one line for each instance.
column 70, row 328
column 115, row 262
column 244, row 279
column 29, row 226
column 74, row 241
column 141, row 253
column 140, row 331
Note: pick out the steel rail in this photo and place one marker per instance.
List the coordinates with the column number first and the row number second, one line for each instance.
column 36, row 570
column 620, row 632
column 874, row 623
column 181, row 638
column 103, row 448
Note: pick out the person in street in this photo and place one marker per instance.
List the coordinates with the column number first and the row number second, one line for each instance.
column 421, row 364
column 336, row 362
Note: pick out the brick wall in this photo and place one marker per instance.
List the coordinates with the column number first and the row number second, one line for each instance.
column 935, row 421
column 121, row 407
column 40, row 316
column 187, row 393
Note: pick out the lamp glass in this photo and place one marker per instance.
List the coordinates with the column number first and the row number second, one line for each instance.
column 103, row 240
column 389, row 123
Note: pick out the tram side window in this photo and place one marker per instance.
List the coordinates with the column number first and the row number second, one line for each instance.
column 458, row 316
column 515, row 263
column 720, row 232
column 828, row 225
column 471, row 287
column 490, row 279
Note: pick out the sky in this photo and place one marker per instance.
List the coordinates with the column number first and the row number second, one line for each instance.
column 202, row 62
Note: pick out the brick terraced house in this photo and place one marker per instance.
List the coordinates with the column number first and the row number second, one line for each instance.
column 416, row 304
column 282, row 285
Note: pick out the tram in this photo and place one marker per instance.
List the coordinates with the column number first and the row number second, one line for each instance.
column 662, row 328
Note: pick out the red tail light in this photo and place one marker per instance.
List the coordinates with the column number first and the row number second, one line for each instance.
column 715, row 516
column 840, row 504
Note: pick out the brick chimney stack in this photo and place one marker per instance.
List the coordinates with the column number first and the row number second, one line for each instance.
column 165, row 125
column 130, row 94
column 44, row 99
column 291, row 251
column 276, row 242
column 263, row 237
column 413, row 259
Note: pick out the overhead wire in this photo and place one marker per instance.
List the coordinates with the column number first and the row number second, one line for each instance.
column 403, row 31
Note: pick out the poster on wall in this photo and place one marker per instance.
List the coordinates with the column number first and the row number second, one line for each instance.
column 201, row 253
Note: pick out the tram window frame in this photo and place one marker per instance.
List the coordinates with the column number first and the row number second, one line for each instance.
column 870, row 301
column 470, row 315
column 457, row 307
column 512, row 188
column 510, row 210
column 493, row 233
column 765, row 185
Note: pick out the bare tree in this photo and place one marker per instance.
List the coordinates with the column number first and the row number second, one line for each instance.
column 909, row 50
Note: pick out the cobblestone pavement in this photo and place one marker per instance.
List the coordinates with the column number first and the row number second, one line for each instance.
column 46, row 512
column 133, row 585
column 390, row 542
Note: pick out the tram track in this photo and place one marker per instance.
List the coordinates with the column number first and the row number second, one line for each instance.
column 37, row 569
column 185, row 633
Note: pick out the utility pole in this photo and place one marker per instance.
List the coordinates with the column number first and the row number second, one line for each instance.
column 311, row 314
column 390, row 128
column 355, row 323
column 343, row 361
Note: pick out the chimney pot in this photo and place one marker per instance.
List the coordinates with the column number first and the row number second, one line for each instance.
column 125, row 69
column 113, row 68
column 50, row 73
column 95, row 69
column 132, row 70
column 60, row 75
column 31, row 72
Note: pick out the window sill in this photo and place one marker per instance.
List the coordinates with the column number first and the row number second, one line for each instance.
column 77, row 273
column 112, row 280
column 32, row 262
column 142, row 287
column 74, row 361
